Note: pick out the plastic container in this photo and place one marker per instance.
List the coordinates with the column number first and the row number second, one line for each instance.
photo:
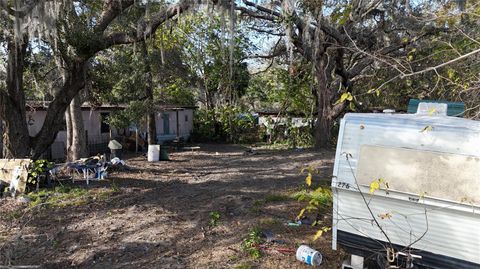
column 164, row 153
column 309, row 255
column 153, row 154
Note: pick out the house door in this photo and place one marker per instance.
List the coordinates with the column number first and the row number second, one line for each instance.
column 166, row 123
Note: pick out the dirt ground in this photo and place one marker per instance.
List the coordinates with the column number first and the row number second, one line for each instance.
column 158, row 214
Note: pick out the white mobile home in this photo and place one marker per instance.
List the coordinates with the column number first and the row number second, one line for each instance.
column 171, row 122
column 427, row 206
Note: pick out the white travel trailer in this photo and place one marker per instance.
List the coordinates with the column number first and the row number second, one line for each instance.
column 426, row 212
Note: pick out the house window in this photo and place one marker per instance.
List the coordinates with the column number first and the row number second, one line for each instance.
column 186, row 117
column 104, row 126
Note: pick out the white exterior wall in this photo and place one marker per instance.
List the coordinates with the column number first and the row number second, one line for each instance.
column 91, row 121
column 185, row 127
column 452, row 226
column 92, row 124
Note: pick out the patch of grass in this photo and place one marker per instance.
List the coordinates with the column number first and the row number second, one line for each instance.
column 64, row 196
column 233, row 258
column 243, row 266
column 214, row 218
column 250, row 244
column 13, row 215
column 269, row 222
column 114, row 186
column 257, row 206
column 258, row 203
column 275, row 197
column 55, row 244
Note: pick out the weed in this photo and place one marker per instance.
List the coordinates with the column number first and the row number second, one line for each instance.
column 251, row 242
column 114, row 186
column 214, row 218
column 257, row 206
column 317, row 199
column 258, row 203
column 276, row 198
column 233, row 258
column 63, row 196
column 55, row 244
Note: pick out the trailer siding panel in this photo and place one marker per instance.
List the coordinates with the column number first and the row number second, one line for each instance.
column 452, row 226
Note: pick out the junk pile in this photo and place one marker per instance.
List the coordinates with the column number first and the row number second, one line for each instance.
column 94, row 168
column 24, row 175
column 14, row 173
column 88, row 168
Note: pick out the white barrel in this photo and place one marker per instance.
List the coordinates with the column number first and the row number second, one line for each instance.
column 153, row 154
column 309, row 255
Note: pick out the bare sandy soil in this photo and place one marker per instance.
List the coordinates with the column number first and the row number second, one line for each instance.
column 158, row 216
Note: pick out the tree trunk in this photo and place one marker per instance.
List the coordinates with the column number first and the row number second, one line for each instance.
column 151, row 126
column 74, row 82
column 16, row 139
column 324, row 95
column 68, row 122
column 1, row 140
column 76, row 133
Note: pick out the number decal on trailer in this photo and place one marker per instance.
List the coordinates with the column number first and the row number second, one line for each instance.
column 343, row 185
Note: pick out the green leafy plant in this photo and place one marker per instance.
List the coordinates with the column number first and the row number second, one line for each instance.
column 64, row 196
column 38, row 173
column 214, row 218
column 114, row 186
column 226, row 123
column 250, row 244
column 318, row 199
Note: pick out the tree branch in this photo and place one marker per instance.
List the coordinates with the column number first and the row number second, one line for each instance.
column 266, row 31
column 20, row 13
column 147, row 27
column 434, row 68
column 111, row 9
column 262, row 9
column 253, row 14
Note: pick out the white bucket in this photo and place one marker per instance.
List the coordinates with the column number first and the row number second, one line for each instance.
column 309, row 255
column 153, row 154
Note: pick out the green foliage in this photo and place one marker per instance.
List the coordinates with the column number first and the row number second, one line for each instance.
column 284, row 90
column 299, row 137
column 65, row 196
column 276, row 198
column 227, row 123
column 133, row 114
column 285, row 132
column 178, row 93
column 250, row 244
column 318, row 198
column 38, row 172
column 235, row 124
column 215, row 58
column 214, row 218
column 114, row 186
column 205, row 126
